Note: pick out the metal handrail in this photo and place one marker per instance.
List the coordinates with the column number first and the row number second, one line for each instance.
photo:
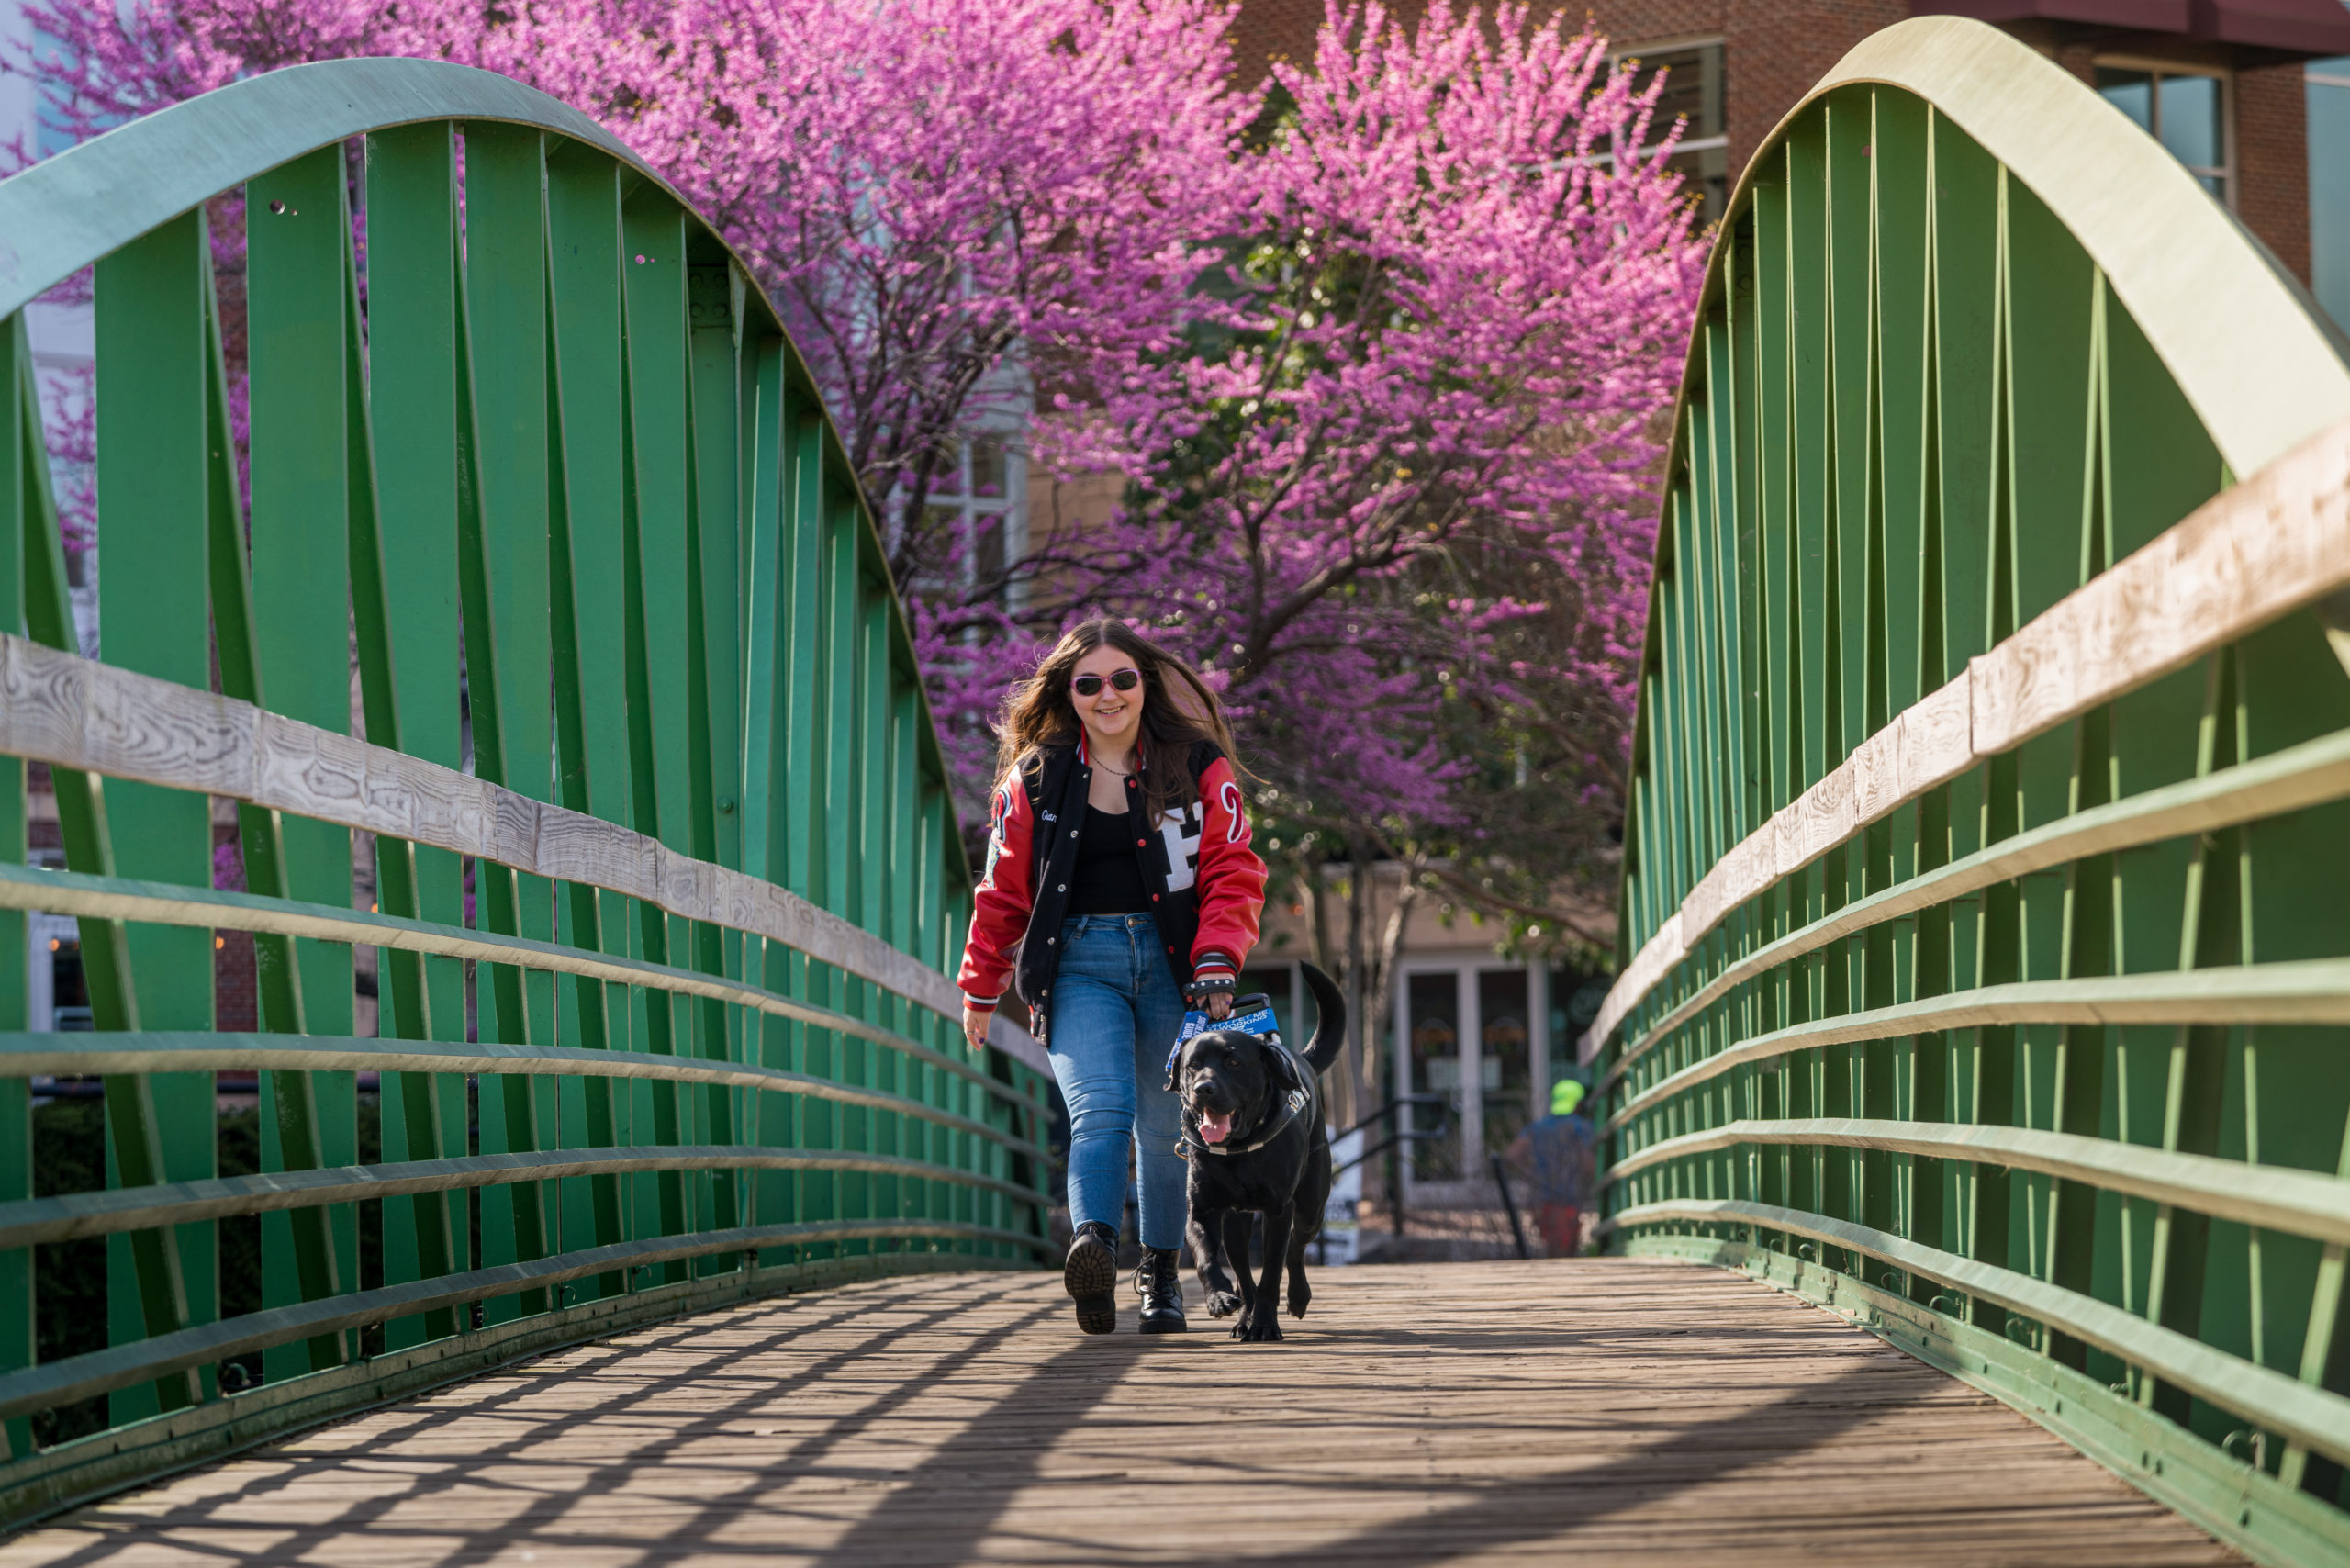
column 40, row 1221
column 2305, row 991
column 2310, row 1204
column 1402, row 1135
column 712, row 860
column 2247, row 348
column 2305, row 775
column 197, row 1051
column 46, row 695
column 162, row 904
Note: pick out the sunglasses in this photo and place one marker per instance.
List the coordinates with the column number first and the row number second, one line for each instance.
column 1091, row 685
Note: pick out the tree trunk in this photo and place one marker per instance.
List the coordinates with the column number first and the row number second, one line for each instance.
column 1391, row 948
column 1346, row 1105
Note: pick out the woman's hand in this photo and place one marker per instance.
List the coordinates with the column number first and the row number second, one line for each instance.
column 1219, row 1007
column 974, row 1024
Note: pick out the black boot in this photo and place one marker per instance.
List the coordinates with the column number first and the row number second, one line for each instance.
column 1090, row 1275
column 1161, row 1291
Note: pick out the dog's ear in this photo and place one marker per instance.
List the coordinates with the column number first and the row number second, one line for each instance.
column 1280, row 1066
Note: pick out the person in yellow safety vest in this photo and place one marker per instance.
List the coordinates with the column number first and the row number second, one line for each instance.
column 1559, row 1149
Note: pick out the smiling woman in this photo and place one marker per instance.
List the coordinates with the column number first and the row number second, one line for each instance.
column 1119, row 869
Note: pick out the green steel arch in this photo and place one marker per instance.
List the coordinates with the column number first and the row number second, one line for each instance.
column 556, row 604
column 1986, row 952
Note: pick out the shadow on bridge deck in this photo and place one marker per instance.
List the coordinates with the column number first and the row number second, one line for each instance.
column 1610, row 1409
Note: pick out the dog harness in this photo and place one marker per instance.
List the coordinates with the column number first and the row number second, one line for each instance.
column 1295, row 1100
column 1292, row 1104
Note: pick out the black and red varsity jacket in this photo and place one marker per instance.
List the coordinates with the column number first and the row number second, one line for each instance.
column 1206, row 884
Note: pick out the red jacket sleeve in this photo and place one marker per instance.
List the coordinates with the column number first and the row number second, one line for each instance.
column 1231, row 879
column 1001, row 903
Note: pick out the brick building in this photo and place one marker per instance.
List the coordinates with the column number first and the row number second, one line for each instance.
column 2239, row 89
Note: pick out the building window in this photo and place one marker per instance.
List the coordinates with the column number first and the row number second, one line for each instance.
column 980, row 500
column 1692, row 92
column 2186, row 110
column 2329, row 118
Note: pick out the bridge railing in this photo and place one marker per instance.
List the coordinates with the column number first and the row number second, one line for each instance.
column 1986, row 892
column 508, row 559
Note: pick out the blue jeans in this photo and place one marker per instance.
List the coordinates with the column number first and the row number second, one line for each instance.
column 1116, row 1016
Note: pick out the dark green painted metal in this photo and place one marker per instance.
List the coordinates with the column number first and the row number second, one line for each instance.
column 1916, row 415
column 40, row 1221
column 417, row 437
column 19, row 460
column 539, row 491
column 118, row 898
column 151, row 430
column 74, row 1055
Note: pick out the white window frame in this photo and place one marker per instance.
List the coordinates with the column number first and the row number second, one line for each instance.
column 1469, row 1127
column 1720, row 142
column 1010, row 508
column 2226, row 171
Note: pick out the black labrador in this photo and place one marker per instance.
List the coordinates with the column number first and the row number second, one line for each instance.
column 1253, row 1133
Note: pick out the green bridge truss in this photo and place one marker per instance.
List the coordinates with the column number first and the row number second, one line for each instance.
column 554, row 603
column 1986, row 954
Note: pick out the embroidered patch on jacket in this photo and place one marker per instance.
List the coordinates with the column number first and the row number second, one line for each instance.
column 1178, row 838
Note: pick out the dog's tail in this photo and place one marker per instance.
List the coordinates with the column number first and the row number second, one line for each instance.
column 1331, row 1025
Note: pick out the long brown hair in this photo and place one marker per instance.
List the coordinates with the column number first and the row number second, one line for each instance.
column 1179, row 710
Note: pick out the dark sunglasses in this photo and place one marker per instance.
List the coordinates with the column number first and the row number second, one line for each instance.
column 1091, row 685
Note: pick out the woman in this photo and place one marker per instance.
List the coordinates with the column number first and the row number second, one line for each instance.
column 1120, row 881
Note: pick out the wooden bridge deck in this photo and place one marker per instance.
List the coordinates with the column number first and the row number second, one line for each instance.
column 1611, row 1410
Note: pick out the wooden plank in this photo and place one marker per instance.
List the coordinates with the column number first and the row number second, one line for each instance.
column 950, row 1418
column 75, row 713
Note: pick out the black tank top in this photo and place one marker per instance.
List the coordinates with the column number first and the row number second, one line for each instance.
column 1108, row 878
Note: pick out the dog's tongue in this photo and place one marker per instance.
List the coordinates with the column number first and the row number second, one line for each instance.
column 1215, row 1129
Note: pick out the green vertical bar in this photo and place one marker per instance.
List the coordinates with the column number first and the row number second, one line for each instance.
column 807, row 795
column 19, row 416
column 904, row 839
column 151, row 473
column 413, row 372
column 769, row 548
column 299, row 342
column 833, row 826
column 883, row 1068
column 587, row 591
column 943, row 1201
column 713, row 661
column 505, row 296
column 299, row 1248
column 1780, row 630
column 659, row 659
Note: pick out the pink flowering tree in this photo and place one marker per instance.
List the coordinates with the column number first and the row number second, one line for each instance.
column 1397, row 493
column 947, row 200
column 1372, row 367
